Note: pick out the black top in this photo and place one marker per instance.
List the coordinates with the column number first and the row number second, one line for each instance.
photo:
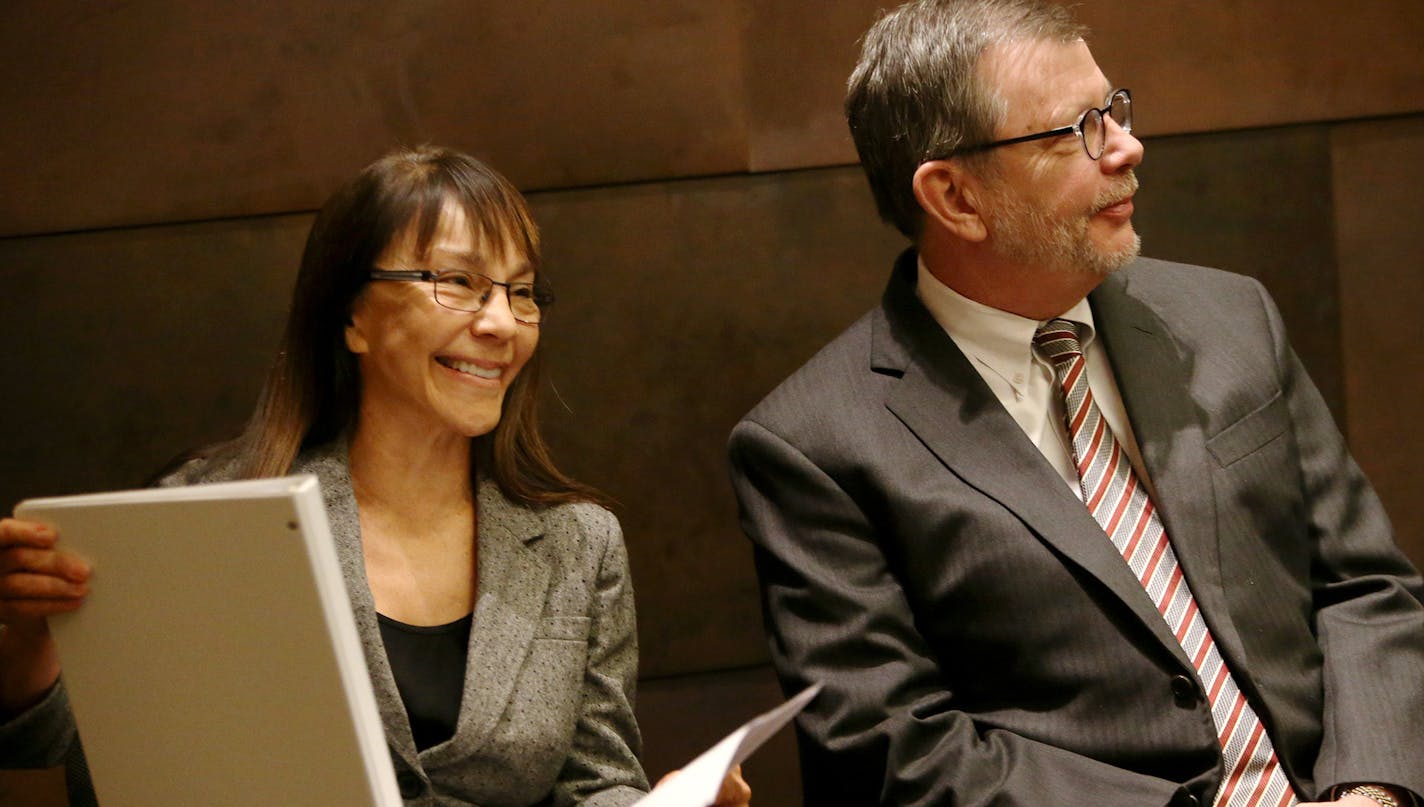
column 428, row 663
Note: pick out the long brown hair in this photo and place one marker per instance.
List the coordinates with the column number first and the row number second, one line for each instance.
column 312, row 393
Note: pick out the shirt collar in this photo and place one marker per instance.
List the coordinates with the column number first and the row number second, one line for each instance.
column 996, row 338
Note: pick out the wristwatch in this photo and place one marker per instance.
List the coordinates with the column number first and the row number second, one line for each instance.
column 1376, row 793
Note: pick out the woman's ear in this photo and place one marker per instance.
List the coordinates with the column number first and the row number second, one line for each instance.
column 949, row 196
column 356, row 341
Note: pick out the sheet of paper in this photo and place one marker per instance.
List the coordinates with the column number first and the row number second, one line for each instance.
column 216, row 661
column 696, row 785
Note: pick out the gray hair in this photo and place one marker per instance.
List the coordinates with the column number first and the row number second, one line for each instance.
column 916, row 94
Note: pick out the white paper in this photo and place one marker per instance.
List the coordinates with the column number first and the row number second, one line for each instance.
column 216, row 660
column 696, row 785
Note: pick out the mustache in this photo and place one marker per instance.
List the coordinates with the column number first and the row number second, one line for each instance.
column 1120, row 191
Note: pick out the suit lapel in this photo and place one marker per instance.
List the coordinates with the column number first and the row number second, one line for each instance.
column 949, row 408
column 513, row 583
column 1153, row 374
column 331, row 467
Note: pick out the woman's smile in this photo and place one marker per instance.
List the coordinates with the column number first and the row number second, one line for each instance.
column 477, row 368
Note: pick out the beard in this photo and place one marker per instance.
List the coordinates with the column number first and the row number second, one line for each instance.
column 1026, row 233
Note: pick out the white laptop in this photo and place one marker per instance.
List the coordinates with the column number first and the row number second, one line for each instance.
column 216, row 661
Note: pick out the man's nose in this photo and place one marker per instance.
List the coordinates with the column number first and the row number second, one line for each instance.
column 1123, row 151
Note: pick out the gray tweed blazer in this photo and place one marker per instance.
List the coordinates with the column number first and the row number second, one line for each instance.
column 547, row 714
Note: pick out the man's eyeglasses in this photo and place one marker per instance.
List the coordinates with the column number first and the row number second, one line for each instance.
column 470, row 291
column 1091, row 128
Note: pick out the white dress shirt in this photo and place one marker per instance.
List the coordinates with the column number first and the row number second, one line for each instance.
column 1000, row 346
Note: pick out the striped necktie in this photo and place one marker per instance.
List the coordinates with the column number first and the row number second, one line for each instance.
column 1122, row 506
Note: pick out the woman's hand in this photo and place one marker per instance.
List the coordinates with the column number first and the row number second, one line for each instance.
column 734, row 792
column 37, row 581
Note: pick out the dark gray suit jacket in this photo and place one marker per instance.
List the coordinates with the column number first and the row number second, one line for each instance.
column 547, row 712
column 980, row 639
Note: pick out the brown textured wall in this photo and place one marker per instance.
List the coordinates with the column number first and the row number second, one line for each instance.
column 684, row 297
column 687, row 302
column 1193, row 67
column 135, row 113
column 1249, row 63
column 124, row 347
column 160, row 111
column 1379, row 195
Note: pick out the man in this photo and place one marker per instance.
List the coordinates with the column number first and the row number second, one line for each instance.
column 1054, row 524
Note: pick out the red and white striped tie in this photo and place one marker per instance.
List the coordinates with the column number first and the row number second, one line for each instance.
column 1121, row 505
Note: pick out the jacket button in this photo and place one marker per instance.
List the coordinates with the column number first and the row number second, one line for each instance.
column 1184, row 798
column 410, row 785
column 1184, row 691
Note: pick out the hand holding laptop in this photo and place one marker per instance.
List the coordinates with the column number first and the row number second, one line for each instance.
column 38, row 579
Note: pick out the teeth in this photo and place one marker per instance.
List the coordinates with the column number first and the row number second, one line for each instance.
column 471, row 369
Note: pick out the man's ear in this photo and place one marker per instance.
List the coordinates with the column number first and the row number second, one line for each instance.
column 949, row 196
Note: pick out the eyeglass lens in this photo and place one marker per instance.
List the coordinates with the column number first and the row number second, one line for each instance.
column 1095, row 129
column 465, row 291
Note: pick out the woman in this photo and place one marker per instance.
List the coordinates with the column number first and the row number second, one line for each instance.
column 503, row 665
